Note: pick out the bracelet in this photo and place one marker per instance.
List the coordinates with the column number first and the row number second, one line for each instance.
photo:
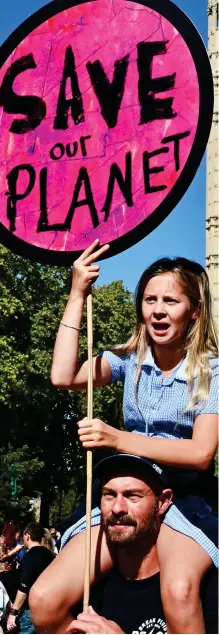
column 13, row 611
column 70, row 327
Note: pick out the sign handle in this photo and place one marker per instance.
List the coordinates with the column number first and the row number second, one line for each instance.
column 89, row 456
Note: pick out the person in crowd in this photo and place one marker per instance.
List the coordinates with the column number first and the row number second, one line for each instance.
column 169, row 368
column 56, row 538
column 134, row 499
column 4, row 605
column 18, row 552
column 7, row 559
column 20, row 548
column 48, row 541
column 34, row 562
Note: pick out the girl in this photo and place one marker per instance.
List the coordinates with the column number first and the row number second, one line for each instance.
column 169, row 370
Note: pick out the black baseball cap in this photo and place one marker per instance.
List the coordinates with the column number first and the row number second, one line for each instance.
column 121, row 460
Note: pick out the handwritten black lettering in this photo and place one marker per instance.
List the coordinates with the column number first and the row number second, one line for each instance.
column 13, row 195
column 151, row 108
column 31, row 106
column 116, row 179
column 175, row 139
column 109, row 94
column 75, row 103
column 43, row 219
column 83, row 146
column 125, row 184
column 61, row 151
column 72, row 152
column 83, row 179
column 147, row 170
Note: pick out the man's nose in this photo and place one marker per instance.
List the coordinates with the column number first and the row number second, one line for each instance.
column 119, row 506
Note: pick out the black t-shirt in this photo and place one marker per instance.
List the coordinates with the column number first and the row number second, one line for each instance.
column 133, row 604
column 136, row 604
column 33, row 564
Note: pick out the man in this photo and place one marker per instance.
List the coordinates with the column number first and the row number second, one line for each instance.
column 34, row 562
column 133, row 499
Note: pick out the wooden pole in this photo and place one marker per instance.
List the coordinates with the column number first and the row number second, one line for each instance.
column 89, row 455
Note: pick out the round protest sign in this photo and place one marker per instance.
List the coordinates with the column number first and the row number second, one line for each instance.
column 105, row 112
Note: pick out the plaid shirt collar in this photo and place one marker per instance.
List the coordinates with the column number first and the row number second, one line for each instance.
column 180, row 368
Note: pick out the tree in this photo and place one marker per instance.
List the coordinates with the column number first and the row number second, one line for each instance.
column 15, row 502
column 36, row 415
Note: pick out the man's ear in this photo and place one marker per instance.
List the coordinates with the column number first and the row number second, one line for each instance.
column 164, row 500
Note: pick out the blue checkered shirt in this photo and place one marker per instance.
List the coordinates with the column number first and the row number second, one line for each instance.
column 159, row 409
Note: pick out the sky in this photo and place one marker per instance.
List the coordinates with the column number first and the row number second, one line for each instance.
column 183, row 231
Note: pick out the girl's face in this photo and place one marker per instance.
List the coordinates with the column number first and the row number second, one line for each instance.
column 166, row 309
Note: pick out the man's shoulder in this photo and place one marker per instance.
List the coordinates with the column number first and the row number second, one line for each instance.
column 42, row 552
column 38, row 553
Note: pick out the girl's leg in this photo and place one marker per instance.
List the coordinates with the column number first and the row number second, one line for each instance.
column 183, row 564
column 60, row 586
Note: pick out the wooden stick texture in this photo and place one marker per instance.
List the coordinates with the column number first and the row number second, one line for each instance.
column 89, row 456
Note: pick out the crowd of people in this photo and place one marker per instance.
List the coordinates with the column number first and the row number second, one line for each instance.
column 20, row 566
column 154, row 522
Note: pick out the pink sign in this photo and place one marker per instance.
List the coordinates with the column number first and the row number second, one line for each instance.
column 105, row 112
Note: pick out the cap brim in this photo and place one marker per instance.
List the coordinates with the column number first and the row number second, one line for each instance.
column 138, row 462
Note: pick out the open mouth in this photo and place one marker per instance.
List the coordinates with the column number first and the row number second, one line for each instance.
column 162, row 327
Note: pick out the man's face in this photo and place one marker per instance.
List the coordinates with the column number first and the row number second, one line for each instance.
column 26, row 538
column 129, row 508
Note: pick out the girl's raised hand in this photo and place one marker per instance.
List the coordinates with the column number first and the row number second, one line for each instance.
column 84, row 271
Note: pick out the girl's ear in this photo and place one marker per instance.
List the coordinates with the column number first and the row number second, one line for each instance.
column 196, row 312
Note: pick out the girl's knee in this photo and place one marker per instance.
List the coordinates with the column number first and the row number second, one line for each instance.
column 40, row 605
column 46, row 607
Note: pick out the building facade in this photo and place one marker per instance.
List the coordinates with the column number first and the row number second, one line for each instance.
column 212, row 212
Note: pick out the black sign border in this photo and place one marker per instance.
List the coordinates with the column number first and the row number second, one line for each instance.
column 206, row 92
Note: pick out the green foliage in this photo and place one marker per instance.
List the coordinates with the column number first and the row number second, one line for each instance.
column 26, row 466
column 38, row 422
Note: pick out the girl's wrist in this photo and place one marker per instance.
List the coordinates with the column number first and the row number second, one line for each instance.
column 118, row 441
column 77, row 295
column 74, row 307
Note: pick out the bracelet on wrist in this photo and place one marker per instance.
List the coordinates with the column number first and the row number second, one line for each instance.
column 14, row 611
column 68, row 326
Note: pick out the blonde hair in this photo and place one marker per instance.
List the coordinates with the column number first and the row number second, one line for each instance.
column 47, row 540
column 201, row 337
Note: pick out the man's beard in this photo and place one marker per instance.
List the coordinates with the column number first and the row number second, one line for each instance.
column 147, row 528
